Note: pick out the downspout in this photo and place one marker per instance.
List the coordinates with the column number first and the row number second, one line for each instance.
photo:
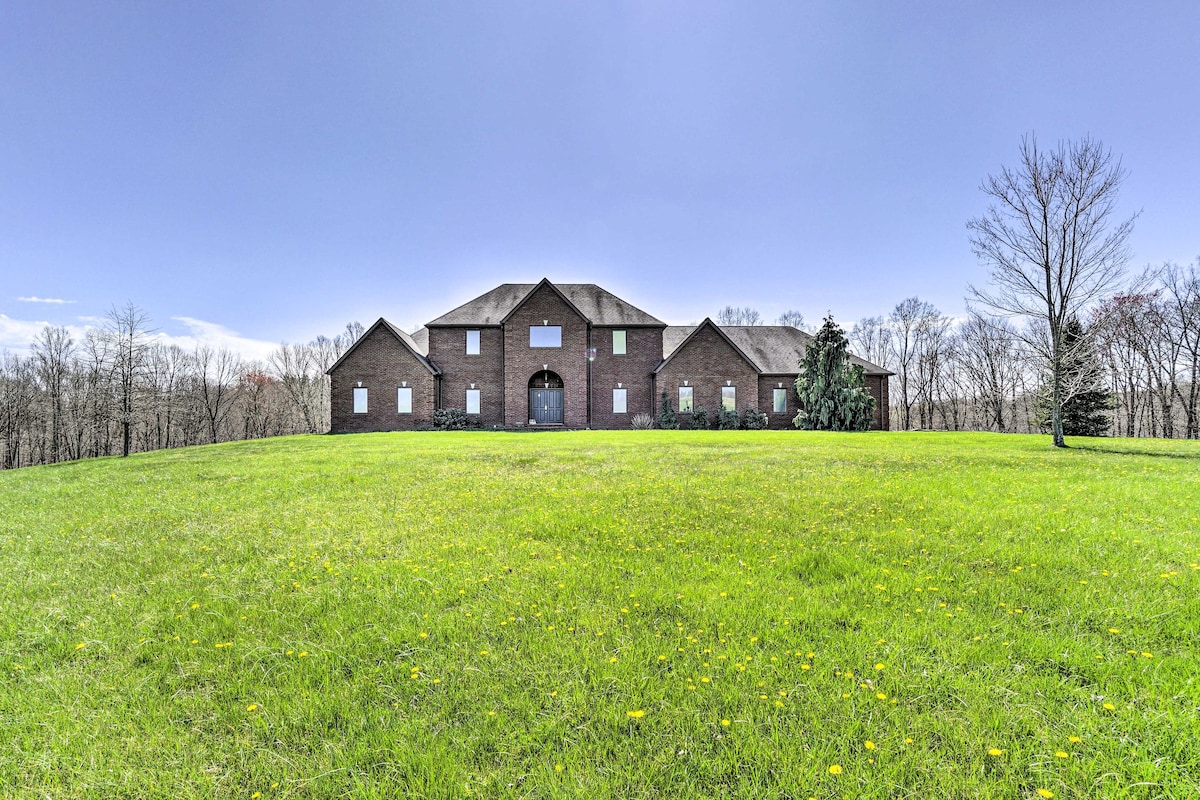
column 588, row 353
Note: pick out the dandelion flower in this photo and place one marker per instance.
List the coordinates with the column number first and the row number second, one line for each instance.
column 995, row 751
column 869, row 744
column 1046, row 793
column 1109, row 707
column 638, row 714
column 1062, row 754
column 1074, row 739
column 252, row 707
column 81, row 645
column 725, row 723
column 879, row 667
column 835, row 769
column 558, row 767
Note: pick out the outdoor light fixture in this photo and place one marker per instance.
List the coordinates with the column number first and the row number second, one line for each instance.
column 360, row 384
column 618, row 386
column 472, row 386
column 729, row 383
column 685, row 383
column 404, row 383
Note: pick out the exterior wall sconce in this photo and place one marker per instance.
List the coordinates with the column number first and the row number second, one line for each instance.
column 545, row 367
column 729, row 383
column 360, row 384
column 545, row 322
column 780, row 386
column 472, row 386
column 404, row 383
column 685, row 383
column 618, row 386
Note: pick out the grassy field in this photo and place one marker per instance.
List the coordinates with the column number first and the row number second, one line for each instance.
column 631, row 614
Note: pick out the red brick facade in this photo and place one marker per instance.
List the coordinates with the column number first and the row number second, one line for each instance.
column 381, row 364
column 460, row 372
column 707, row 360
column 522, row 362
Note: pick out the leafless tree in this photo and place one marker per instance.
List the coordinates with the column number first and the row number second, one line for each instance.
column 735, row 315
column 126, row 326
column 216, row 373
column 871, row 339
column 911, row 321
column 990, row 354
column 792, row 318
column 1050, row 243
column 52, row 353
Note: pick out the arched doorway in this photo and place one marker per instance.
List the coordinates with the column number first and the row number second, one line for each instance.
column 545, row 398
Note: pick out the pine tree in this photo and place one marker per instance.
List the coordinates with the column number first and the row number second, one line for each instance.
column 666, row 416
column 830, row 388
column 1085, row 410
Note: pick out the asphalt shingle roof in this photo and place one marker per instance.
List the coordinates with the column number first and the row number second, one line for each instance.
column 774, row 349
column 600, row 307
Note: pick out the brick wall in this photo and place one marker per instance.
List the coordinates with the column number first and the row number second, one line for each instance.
column 448, row 351
column 382, row 363
column 706, row 362
column 877, row 385
column 643, row 352
column 570, row 361
column 767, row 384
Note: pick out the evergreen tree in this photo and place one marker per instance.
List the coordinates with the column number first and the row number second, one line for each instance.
column 666, row 416
column 830, row 388
column 1085, row 409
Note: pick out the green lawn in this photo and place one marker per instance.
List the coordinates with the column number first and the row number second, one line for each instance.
column 629, row 614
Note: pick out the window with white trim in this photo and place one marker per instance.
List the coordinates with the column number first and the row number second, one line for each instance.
column 729, row 398
column 618, row 343
column 472, row 343
column 545, row 335
column 619, row 401
column 472, row 401
column 360, row 400
column 685, row 398
column 404, row 400
column 780, row 401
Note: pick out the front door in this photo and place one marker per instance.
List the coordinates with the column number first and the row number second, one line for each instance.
column 546, row 406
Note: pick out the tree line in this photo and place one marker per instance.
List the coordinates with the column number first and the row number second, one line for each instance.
column 120, row 389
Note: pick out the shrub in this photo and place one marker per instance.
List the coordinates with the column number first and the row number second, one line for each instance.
column 642, row 422
column 753, row 419
column 453, row 419
column 699, row 419
column 727, row 420
column 666, row 416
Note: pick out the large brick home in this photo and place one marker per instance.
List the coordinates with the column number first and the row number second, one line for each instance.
column 569, row 355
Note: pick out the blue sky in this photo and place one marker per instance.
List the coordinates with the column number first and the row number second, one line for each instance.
column 250, row 172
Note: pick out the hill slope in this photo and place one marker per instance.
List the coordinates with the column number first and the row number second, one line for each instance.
column 650, row 614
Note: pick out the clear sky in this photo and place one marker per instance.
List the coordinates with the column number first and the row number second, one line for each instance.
column 248, row 173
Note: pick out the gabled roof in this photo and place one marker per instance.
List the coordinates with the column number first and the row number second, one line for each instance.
column 594, row 304
column 421, row 339
column 773, row 349
column 403, row 337
column 682, row 339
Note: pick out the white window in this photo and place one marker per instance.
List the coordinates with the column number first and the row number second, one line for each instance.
column 472, row 401
column 360, row 400
column 729, row 398
column 619, row 401
column 780, row 401
column 618, row 343
column 685, row 398
column 472, row 343
column 545, row 336
column 404, row 400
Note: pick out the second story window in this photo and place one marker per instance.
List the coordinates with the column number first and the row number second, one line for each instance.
column 545, row 336
column 472, row 343
column 618, row 343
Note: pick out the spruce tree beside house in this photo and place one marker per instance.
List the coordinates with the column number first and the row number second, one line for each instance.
column 830, row 389
column 666, row 416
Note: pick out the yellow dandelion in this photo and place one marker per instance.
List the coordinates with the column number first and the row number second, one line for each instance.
column 835, row 769
column 1074, row 739
column 881, row 695
column 995, row 751
column 725, row 723
column 879, row 667
column 81, row 645
column 638, row 714
column 1046, row 793
column 1062, row 754
column 558, row 767
column 1109, row 707
column 255, row 795
column 252, row 707
column 869, row 744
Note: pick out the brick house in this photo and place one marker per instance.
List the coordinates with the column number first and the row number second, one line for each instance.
column 570, row 355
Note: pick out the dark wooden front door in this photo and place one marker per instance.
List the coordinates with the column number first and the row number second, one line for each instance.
column 546, row 406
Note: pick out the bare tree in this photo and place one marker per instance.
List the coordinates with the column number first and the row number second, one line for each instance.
column 791, row 318
column 991, row 355
column 216, row 373
column 1047, row 241
column 871, row 340
column 911, row 321
column 52, row 353
column 734, row 315
column 126, row 326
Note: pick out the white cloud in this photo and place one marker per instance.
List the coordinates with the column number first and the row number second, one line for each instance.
column 53, row 300
column 213, row 334
column 18, row 334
